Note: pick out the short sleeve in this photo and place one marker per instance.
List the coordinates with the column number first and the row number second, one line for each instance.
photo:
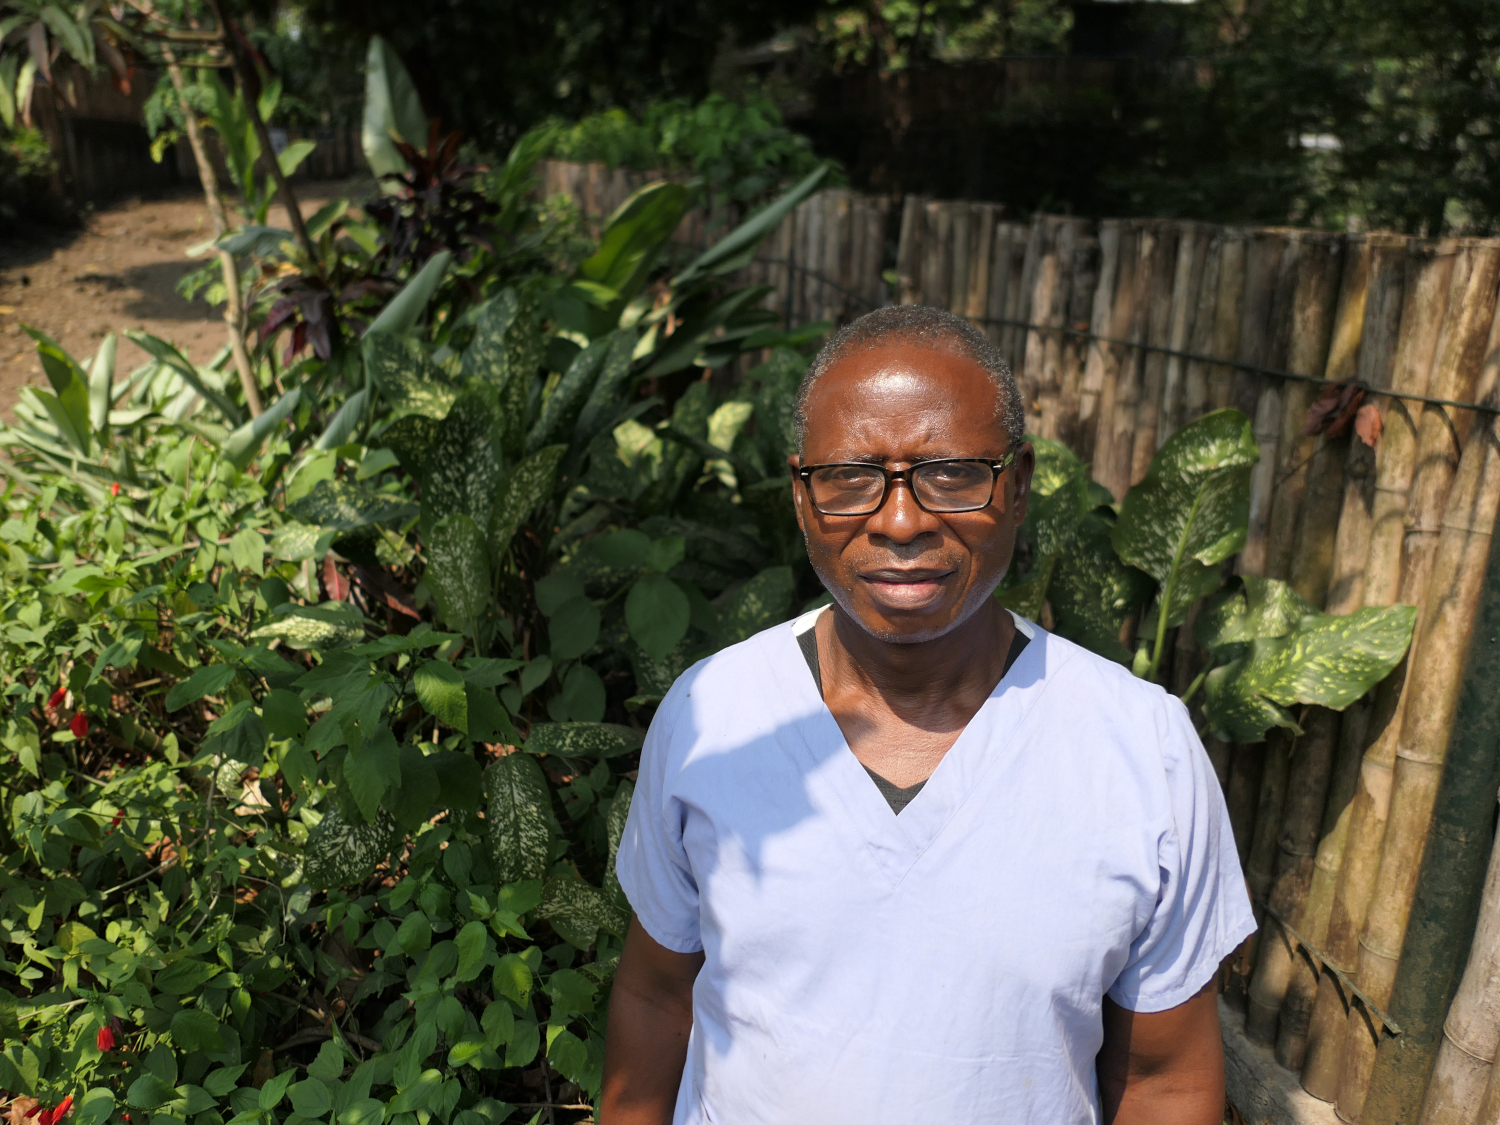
column 1202, row 909
column 652, row 865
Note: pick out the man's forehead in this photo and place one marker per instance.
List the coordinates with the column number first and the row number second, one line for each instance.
column 893, row 373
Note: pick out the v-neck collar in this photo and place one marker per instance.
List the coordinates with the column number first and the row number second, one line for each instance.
column 895, row 843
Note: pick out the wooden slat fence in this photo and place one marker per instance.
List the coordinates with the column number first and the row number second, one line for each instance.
column 1122, row 331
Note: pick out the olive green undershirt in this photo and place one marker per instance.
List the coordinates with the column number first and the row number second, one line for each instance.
column 897, row 797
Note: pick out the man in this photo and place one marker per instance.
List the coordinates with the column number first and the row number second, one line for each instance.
column 911, row 859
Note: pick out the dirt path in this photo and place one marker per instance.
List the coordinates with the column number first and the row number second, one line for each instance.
column 119, row 271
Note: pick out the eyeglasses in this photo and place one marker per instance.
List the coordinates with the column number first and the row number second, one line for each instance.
column 953, row 484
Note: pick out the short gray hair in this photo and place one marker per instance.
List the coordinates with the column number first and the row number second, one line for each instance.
column 925, row 326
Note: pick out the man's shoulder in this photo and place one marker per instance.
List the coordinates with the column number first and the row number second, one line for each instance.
column 1095, row 682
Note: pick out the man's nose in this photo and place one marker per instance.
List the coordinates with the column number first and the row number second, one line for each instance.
column 901, row 519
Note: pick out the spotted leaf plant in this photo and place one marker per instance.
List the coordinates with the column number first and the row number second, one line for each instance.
column 1102, row 573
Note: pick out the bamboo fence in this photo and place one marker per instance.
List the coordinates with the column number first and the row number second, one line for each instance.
column 1124, row 330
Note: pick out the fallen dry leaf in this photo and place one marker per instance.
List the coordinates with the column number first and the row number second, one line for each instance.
column 18, row 1109
column 1334, row 410
column 1369, row 424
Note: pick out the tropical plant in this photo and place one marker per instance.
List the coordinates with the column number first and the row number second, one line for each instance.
column 1102, row 574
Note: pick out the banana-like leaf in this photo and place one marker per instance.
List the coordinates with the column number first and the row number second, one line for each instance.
column 404, row 374
column 401, row 315
column 689, row 340
column 345, row 421
column 735, row 250
column 8, row 66
column 517, row 817
column 487, row 356
column 241, row 446
column 633, row 239
column 458, row 572
column 583, row 740
column 290, row 158
column 1327, row 659
column 393, row 111
column 522, row 489
column 74, row 39
column 256, row 241
column 101, row 382
column 68, row 407
column 167, row 354
column 1191, row 511
column 1256, row 608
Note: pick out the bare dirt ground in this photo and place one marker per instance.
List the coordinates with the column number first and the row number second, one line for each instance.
column 118, row 271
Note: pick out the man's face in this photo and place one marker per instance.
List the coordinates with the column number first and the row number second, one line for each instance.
column 904, row 573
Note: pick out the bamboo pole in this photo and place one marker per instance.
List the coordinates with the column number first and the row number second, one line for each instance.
column 1302, row 816
column 1269, row 403
column 1153, row 366
column 1115, row 453
column 1302, row 988
column 1196, row 373
column 1017, row 291
column 999, row 283
column 1078, row 314
column 1243, row 794
column 1225, row 341
column 1314, row 316
column 234, row 304
column 1192, row 253
column 1447, row 604
column 1263, row 252
column 909, row 251
column 959, row 256
column 1051, row 295
column 937, row 267
column 1098, row 355
column 981, row 264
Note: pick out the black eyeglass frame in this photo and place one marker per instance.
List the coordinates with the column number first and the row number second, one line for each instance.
column 997, row 466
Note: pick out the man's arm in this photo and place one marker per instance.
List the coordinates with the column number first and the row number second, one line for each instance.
column 1163, row 1068
column 650, row 1015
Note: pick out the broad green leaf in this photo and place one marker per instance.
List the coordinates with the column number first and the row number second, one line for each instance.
column 339, row 854
column 440, row 691
column 525, row 487
column 406, row 377
column 101, row 383
column 208, row 680
column 290, row 158
column 193, row 1029
column 1027, row 598
column 518, row 817
column 556, row 590
column 241, row 446
column 220, row 1082
column 348, row 507
column 1092, row 592
column 1191, row 511
column 185, row 976
column 634, row 236
column 329, row 625
column 566, row 400
column 627, row 549
column 310, row 1098
column 344, row 423
column 583, row 740
column 167, row 354
column 473, row 943
column 578, row 911
column 498, row 1022
column 1257, row 607
column 284, row 714
column 763, row 601
column 1327, row 659
column 419, row 789
column 149, row 1092
column 405, row 308
column 275, row 1089
column 524, row 1043
column 247, row 550
column 735, row 250
column 657, row 614
column 487, row 356
column 512, row 979
column 463, row 466
column 365, row 1111
column 393, row 111
column 609, row 390
column 458, row 572
column 96, row 1106
column 328, row 1065
column 573, row 629
column 373, row 770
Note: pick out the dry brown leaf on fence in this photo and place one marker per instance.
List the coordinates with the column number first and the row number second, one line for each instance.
column 1369, row 424
column 1334, row 410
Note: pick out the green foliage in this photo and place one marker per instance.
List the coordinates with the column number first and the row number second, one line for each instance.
column 742, row 150
column 1099, row 570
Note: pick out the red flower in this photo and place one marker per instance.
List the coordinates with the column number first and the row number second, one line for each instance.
column 114, row 489
column 56, row 1113
column 80, row 725
column 56, row 698
column 105, row 1039
column 115, row 820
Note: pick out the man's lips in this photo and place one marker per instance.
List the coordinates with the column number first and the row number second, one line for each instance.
column 906, row 588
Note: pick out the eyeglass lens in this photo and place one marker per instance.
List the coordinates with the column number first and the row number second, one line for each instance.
column 939, row 486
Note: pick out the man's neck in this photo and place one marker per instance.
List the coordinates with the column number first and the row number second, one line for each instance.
column 957, row 670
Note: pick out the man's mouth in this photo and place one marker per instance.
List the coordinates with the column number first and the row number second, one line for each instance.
column 906, row 587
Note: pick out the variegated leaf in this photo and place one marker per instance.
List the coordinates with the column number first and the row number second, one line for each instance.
column 339, row 853
column 520, row 492
column 583, row 740
column 518, row 818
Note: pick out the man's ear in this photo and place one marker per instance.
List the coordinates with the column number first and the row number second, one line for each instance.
column 794, row 463
column 1021, row 471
